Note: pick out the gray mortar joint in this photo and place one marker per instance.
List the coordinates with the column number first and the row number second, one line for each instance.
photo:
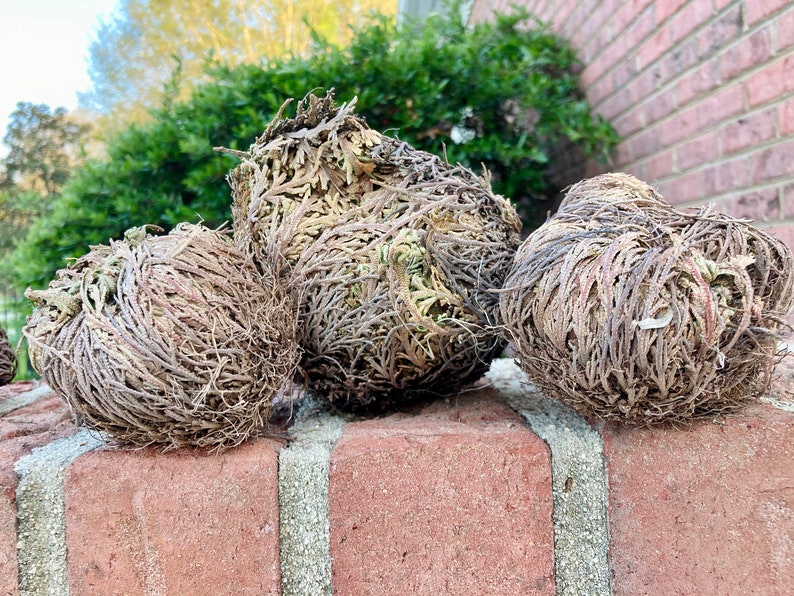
column 41, row 516
column 304, row 517
column 579, row 483
column 24, row 399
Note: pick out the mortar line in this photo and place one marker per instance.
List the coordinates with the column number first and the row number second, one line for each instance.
column 786, row 406
column 24, row 399
column 41, row 516
column 579, row 483
column 304, row 517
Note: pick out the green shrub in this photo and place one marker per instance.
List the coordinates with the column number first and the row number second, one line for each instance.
column 508, row 89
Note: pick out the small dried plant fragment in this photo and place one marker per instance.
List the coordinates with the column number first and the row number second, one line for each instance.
column 170, row 340
column 625, row 308
column 8, row 359
column 392, row 251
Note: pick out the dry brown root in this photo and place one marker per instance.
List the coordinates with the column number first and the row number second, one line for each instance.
column 171, row 340
column 625, row 308
column 393, row 253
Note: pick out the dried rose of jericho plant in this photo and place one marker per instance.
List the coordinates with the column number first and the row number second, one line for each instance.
column 625, row 308
column 392, row 251
column 8, row 359
column 170, row 340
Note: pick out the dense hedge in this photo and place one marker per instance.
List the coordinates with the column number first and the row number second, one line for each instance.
column 509, row 89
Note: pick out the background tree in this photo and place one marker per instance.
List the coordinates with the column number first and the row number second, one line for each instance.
column 135, row 52
column 44, row 147
column 17, row 212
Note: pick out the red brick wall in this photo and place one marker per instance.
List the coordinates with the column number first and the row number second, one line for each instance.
column 700, row 91
column 493, row 491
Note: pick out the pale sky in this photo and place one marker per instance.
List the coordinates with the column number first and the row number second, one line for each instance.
column 44, row 51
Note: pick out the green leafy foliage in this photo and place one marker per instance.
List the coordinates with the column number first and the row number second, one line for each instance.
column 503, row 95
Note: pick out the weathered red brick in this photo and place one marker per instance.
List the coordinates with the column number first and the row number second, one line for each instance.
column 644, row 144
column 732, row 174
column 657, row 44
column 24, row 429
column 784, row 29
column 720, row 32
column 760, row 205
column 601, row 34
column 727, row 102
column 756, row 11
column 562, row 13
column 630, row 12
column 455, row 501
column 594, row 80
column 183, row 522
column 699, row 116
column 749, row 51
column 750, row 130
column 9, row 570
column 646, row 82
column 658, row 166
column 571, row 29
column 14, row 389
column 772, row 82
column 621, row 77
column 788, row 201
column 684, row 123
column 584, row 36
column 682, row 57
column 786, row 110
column 700, row 150
column 599, row 89
column 703, row 511
column 680, row 189
column 21, row 431
column 629, row 123
column 615, row 109
column 694, row 14
column 614, row 56
column 663, row 10
column 658, row 107
column 773, row 162
column 697, row 83
column 642, row 26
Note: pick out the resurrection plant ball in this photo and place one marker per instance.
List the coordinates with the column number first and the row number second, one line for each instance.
column 170, row 340
column 392, row 251
column 627, row 309
column 8, row 359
